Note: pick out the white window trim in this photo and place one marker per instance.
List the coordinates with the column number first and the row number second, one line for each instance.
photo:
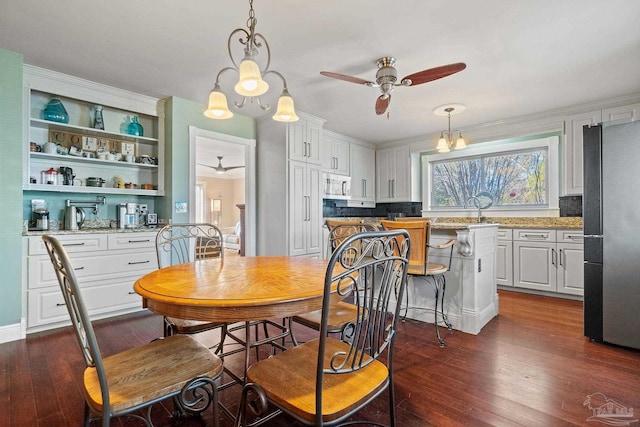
column 553, row 180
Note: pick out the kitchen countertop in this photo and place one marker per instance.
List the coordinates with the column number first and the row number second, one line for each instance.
column 457, row 223
column 91, row 231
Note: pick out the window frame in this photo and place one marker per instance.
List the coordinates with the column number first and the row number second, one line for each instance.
column 552, row 174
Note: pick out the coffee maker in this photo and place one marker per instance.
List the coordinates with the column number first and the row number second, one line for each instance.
column 127, row 215
column 67, row 175
column 39, row 215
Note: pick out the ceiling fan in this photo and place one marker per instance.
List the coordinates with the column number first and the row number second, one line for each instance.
column 221, row 169
column 387, row 76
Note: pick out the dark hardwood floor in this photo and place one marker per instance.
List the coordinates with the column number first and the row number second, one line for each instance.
column 530, row 366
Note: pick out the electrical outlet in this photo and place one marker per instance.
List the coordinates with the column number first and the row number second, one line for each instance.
column 144, row 209
column 480, row 265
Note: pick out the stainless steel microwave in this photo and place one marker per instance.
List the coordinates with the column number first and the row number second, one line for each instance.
column 336, row 187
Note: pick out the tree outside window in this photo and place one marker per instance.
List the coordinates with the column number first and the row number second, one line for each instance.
column 512, row 178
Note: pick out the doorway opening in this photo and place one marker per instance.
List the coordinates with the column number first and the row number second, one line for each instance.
column 216, row 192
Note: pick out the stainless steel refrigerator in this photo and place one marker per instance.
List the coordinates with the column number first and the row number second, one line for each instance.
column 611, row 210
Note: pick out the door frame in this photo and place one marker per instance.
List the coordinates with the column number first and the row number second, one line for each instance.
column 249, row 146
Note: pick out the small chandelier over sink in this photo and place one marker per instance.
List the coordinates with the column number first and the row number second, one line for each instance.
column 250, row 77
column 447, row 136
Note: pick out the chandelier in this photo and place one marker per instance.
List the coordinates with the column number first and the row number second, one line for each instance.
column 446, row 136
column 250, row 77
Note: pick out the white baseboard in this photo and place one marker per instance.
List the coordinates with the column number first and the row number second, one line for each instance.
column 14, row 332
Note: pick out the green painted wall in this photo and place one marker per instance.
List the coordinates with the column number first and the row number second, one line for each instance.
column 10, row 187
column 180, row 114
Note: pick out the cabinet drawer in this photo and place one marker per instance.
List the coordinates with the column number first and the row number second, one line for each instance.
column 505, row 233
column 93, row 266
column 72, row 243
column 570, row 236
column 47, row 305
column 535, row 235
column 131, row 240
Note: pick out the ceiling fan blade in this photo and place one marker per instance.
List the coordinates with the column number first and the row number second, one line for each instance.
column 232, row 167
column 431, row 74
column 382, row 103
column 207, row 166
column 346, row 78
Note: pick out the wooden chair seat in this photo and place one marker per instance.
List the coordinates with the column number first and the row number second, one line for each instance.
column 150, row 372
column 184, row 326
column 340, row 314
column 290, row 381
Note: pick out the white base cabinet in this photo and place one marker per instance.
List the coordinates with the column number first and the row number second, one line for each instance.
column 106, row 266
column 504, row 257
column 548, row 260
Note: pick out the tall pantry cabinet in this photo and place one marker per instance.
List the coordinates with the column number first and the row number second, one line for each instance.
column 289, row 187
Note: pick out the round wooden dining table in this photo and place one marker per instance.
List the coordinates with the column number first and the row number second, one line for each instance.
column 235, row 289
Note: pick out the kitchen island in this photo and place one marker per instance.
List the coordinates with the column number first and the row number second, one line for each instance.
column 471, row 298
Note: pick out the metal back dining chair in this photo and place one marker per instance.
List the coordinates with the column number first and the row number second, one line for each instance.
column 121, row 384
column 421, row 267
column 341, row 313
column 325, row 381
column 180, row 243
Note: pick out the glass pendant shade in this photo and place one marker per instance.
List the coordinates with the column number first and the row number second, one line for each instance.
column 442, row 144
column 218, row 108
column 250, row 82
column 286, row 111
column 460, row 144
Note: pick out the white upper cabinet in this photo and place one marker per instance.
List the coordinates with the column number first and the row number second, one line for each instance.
column 335, row 154
column 305, row 141
column 393, row 177
column 572, row 182
column 363, row 160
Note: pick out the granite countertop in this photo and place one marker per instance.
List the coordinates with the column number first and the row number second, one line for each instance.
column 91, row 231
column 457, row 223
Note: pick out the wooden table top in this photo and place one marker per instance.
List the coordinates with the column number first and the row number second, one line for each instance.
column 235, row 289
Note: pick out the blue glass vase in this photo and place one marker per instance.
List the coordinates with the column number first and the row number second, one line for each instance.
column 55, row 112
column 135, row 128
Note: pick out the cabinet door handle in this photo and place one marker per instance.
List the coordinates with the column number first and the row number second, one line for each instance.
column 393, row 188
column 553, row 257
column 390, row 189
column 534, row 236
column 364, row 187
column 132, row 292
column 344, row 188
column 139, row 262
column 139, row 241
column 60, row 304
column 73, row 244
column 78, row 268
column 560, row 258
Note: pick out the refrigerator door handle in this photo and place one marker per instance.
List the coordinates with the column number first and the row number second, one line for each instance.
column 594, row 235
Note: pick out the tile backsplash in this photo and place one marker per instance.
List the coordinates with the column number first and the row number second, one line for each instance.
column 571, row 206
column 329, row 209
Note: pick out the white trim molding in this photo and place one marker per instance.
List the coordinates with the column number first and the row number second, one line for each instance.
column 14, row 332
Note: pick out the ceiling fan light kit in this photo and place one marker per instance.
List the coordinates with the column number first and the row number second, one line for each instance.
column 445, row 142
column 387, row 79
column 250, row 77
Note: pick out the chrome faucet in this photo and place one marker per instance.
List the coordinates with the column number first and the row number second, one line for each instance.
column 476, row 201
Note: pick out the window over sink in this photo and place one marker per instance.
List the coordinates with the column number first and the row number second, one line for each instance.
column 519, row 175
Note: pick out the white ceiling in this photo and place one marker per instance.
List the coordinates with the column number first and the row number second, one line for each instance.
column 522, row 56
column 207, row 152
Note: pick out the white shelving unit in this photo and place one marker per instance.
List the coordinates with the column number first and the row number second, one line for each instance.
column 79, row 97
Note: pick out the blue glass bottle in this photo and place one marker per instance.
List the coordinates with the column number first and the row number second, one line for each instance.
column 55, row 112
column 135, row 128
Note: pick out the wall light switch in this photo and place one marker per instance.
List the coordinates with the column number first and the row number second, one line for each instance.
column 181, row 207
